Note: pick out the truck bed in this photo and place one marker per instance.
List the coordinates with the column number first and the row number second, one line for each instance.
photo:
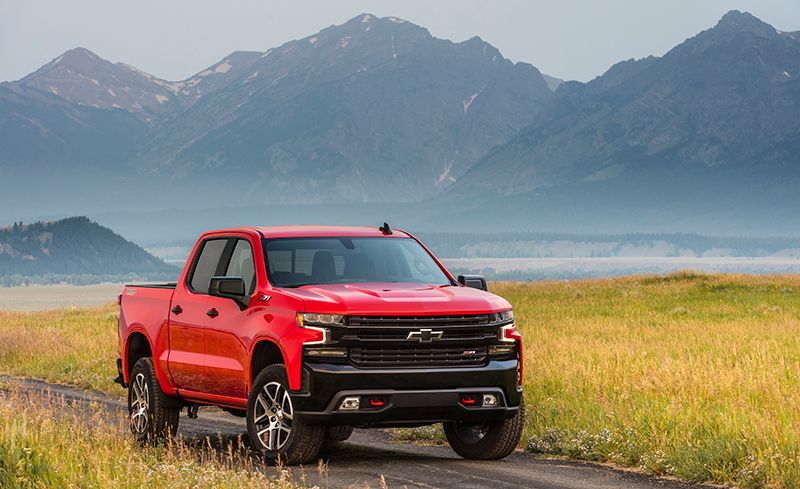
column 168, row 285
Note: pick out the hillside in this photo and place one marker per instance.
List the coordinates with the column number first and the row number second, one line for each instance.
column 72, row 249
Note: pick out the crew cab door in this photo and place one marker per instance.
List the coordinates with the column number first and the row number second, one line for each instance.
column 226, row 331
column 188, row 317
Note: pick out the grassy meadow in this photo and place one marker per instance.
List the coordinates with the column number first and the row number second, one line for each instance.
column 687, row 375
column 70, row 346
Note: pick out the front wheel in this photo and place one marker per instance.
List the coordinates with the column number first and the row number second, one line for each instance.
column 492, row 440
column 152, row 413
column 338, row 433
column 274, row 430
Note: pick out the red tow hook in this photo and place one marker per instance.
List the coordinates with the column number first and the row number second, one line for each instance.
column 468, row 400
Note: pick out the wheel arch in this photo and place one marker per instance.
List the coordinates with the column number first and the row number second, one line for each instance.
column 137, row 346
column 265, row 352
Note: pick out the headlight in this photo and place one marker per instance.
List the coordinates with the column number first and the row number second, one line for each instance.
column 315, row 319
column 317, row 325
column 502, row 317
column 506, row 315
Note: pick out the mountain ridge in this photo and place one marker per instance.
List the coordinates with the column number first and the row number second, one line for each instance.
column 312, row 113
column 697, row 87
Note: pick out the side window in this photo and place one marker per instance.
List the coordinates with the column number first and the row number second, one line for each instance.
column 206, row 266
column 241, row 265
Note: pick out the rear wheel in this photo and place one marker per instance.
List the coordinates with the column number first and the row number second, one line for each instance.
column 274, row 430
column 152, row 413
column 492, row 440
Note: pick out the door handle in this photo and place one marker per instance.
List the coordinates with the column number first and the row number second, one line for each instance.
column 212, row 313
column 176, row 310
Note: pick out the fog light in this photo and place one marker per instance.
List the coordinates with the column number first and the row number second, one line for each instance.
column 489, row 400
column 349, row 403
column 501, row 350
column 326, row 352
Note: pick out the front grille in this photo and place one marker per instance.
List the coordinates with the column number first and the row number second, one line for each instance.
column 417, row 341
column 418, row 356
column 473, row 329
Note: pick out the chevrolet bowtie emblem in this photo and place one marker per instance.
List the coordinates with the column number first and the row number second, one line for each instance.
column 424, row 335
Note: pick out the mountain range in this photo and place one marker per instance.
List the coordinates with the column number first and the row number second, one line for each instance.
column 710, row 131
column 705, row 138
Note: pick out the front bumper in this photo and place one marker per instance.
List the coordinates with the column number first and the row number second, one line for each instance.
column 410, row 396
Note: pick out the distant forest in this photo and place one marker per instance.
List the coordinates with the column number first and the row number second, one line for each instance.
column 73, row 250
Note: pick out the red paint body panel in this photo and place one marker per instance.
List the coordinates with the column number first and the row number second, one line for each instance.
column 208, row 360
column 144, row 311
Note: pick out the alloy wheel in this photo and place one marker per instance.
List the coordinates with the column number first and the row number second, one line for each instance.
column 273, row 415
column 140, row 404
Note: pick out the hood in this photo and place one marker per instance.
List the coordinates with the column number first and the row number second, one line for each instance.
column 390, row 298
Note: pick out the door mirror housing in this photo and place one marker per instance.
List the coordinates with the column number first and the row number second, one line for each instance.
column 474, row 281
column 230, row 288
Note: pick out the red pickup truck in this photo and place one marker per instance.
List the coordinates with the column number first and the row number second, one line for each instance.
column 308, row 331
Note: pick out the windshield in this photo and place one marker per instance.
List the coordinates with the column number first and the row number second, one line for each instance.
column 293, row 262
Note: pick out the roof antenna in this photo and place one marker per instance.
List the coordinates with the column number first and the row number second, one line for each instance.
column 385, row 229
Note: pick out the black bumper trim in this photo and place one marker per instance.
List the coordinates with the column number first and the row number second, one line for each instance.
column 415, row 396
column 410, row 408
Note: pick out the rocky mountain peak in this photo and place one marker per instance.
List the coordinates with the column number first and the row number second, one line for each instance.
column 78, row 55
column 83, row 78
column 744, row 22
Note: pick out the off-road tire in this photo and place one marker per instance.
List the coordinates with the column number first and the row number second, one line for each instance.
column 304, row 440
column 498, row 441
column 162, row 411
column 336, row 434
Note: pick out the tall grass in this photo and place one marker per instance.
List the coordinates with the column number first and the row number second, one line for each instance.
column 72, row 346
column 687, row 375
column 44, row 442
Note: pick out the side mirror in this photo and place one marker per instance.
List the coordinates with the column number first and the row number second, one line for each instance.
column 474, row 281
column 229, row 288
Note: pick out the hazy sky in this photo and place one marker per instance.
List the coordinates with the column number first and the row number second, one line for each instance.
column 174, row 39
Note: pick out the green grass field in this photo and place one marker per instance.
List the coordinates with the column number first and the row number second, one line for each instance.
column 687, row 375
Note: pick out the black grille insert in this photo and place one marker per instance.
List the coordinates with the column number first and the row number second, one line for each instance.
column 471, row 334
column 418, row 356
